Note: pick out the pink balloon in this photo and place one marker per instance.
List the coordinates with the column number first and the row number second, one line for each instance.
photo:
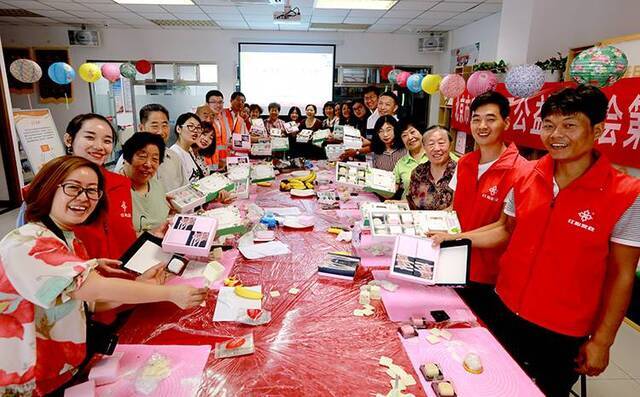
column 452, row 85
column 402, row 78
column 481, row 82
column 111, row 72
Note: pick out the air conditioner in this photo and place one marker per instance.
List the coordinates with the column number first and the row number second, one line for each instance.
column 434, row 42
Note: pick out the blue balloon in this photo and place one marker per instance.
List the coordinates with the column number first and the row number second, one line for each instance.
column 61, row 73
column 414, row 83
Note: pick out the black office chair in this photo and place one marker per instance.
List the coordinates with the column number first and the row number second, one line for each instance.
column 583, row 387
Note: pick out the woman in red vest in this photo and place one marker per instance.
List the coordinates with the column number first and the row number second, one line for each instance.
column 573, row 226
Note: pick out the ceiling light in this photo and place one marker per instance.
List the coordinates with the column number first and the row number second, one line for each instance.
column 356, row 4
column 157, row 2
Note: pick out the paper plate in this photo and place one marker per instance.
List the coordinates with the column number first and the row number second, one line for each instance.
column 300, row 173
column 302, row 192
column 299, row 222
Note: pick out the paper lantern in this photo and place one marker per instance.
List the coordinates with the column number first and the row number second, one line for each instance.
column 393, row 75
column 525, row 80
column 452, row 85
column 384, row 72
column 402, row 78
column 89, row 72
column 61, row 73
column 25, row 70
column 481, row 82
column 431, row 83
column 599, row 66
column 111, row 71
column 128, row 71
column 414, row 83
column 143, row 66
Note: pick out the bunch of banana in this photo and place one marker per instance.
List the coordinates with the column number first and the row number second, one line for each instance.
column 300, row 183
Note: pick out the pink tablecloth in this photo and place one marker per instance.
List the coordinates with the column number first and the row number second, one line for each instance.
column 501, row 377
column 415, row 300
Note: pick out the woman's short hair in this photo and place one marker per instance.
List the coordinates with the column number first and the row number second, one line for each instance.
column 139, row 141
column 294, row 109
column 315, row 109
column 255, row 106
column 274, row 105
column 377, row 146
column 183, row 119
column 328, row 104
column 45, row 184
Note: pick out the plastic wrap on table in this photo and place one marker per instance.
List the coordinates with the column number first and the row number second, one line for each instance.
column 313, row 346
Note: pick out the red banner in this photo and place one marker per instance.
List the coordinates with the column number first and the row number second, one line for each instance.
column 621, row 137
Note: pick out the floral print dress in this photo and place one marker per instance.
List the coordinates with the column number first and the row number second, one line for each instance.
column 427, row 194
column 42, row 329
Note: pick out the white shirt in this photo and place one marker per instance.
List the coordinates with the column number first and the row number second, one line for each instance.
column 371, row 121
column 190, row 169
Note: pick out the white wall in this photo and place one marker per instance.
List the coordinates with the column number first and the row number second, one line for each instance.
column 216, row 46
column 485, row 31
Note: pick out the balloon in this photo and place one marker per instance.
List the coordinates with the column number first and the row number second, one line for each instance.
column 525, row 80
column 89, row 72
column 431, row 83
column 61, row 73
column 111, row 72
column 481, row 82
column 452, row 85
column 393, row 75
column 25, row 70
column 414, row 83
column 599, row 66
column 127, row 70
column 143, row 66
column 384, row 72
column 402, row 78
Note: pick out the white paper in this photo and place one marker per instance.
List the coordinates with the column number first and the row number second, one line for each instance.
column 284, row 211
column 257, row 251
column 149, row 255
column 230, row 306
column 194, row 269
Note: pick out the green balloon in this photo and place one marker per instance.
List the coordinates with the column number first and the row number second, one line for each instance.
column 128, row 70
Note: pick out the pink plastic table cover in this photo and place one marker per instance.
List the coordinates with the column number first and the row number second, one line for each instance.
column 501, row 376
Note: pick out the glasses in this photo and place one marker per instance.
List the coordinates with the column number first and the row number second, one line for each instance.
column 73, row 190
column 192, row 128
column 216, row 101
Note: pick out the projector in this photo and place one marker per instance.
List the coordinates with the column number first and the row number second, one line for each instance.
column 288, row 16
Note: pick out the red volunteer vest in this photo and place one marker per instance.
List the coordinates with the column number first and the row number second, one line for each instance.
column 112, row 233
column 480, row 202
column 553, row 271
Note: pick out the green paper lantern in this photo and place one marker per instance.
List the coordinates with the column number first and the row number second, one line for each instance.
column 599, row 66
column 128, row 71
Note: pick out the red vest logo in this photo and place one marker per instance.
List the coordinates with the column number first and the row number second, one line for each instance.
column 493, row 191
column 125, row 213
column 585, row 216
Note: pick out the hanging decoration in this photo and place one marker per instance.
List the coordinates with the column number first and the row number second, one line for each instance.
column 481, row 82
column 384, row 72
column 25, row 70
column 524, row 80
column 452, row 85
column 393, row 75
column 599, row 66
column 402, row 78
column 111, row 72
column 414, row 83
column 128, row 71
column 61, row 73
column 89, row 72
column 431, row 83
column 143, row 66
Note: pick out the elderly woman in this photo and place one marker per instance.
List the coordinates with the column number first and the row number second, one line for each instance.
column 274, row 121
column 143, row 153
column 429, row 187
column 46, row 276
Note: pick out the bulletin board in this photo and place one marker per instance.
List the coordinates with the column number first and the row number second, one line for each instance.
column 51, row 92
column 11, row 54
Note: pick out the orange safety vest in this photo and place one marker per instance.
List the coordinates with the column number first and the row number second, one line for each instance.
column 221, row 142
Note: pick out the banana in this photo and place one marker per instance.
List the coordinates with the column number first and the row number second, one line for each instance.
column 247, row 293
column 285, row 186
column 295, row 184
column 309, row 185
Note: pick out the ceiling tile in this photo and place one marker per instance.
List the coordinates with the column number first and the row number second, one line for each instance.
column 159, row 15
column 330, row 13
column 403, row 13
column 300, row 27
column 382, row 28
column 183, row 9
column 438, row 14
column 258, row 9
column 195, row 17
column 106, row 7
column 211, row 2
column 393, row 21
column 488, row 7
column 366, row 14
column 327, row 19
column 414, row 5
column 259, row 18
column 233, row 24
column 227, row 18
column 220, row 10
column 86, row 14
column 53, row 13
column 450, row 6
column 29, row 5
column 145, row 8
column 361, row 20
column 70, row 6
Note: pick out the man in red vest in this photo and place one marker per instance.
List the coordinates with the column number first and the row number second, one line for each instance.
column 481, row 182
column 573, row 221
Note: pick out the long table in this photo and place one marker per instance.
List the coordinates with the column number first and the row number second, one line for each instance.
column 313, row 346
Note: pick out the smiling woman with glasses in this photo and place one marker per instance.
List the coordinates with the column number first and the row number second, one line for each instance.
column 188, row 129
column 46, row 275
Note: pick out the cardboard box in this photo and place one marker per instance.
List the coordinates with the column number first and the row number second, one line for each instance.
column 188, row 197
column 190, row 235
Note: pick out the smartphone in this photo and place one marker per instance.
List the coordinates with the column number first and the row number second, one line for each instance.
column 439, row 316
